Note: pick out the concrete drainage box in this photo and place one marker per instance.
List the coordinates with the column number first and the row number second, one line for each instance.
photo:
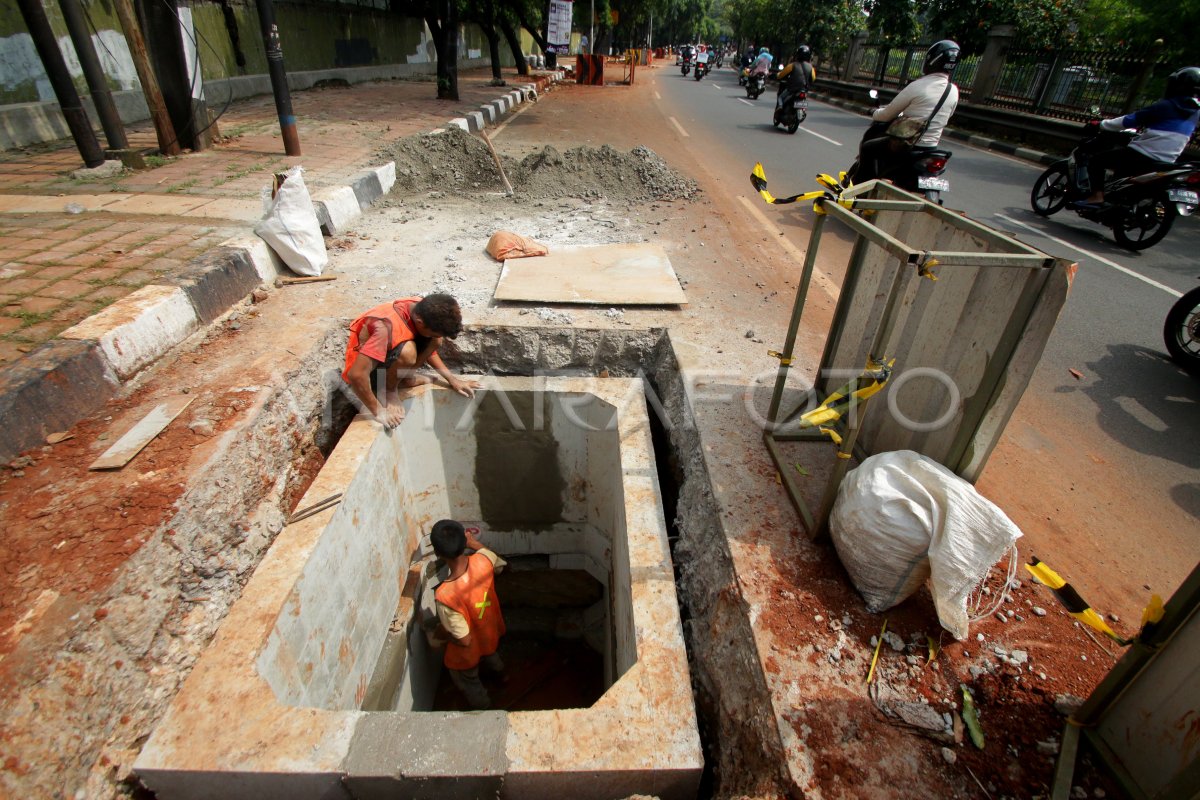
column 558, row 467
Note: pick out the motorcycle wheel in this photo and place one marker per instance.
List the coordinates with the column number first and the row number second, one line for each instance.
column 1181, row 331
column 699, row 75
column 1049, row 193
column 793, row 126
column 1146, row 224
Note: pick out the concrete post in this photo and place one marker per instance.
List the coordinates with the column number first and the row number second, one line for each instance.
column 854, row 55
column 991, row 64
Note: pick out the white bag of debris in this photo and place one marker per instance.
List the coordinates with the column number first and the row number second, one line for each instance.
column 901, row 518
column 291, row 228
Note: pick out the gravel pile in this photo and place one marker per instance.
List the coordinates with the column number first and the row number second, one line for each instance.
column 455, row 161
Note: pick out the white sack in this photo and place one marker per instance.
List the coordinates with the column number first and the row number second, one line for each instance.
column 901, row 518
column 291, row 228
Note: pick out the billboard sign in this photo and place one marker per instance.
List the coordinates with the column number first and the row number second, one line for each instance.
column 558, row 26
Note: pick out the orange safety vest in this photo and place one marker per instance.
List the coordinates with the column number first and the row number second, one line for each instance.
column 473, row 594
column 397, row 314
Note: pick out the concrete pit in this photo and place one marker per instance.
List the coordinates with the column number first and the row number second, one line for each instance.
column 320, row 682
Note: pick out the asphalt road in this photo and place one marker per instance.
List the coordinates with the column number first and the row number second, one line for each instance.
column 1132, row 398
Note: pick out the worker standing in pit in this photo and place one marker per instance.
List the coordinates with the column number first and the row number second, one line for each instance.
column 398, row 338
column 468, row 609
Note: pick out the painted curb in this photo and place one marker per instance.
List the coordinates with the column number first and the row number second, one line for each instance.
column 72, row 376
column 136, row 330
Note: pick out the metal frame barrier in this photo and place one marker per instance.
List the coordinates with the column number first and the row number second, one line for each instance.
column 899, row 240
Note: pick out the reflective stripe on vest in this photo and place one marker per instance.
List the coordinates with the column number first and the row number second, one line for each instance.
column 473, row 594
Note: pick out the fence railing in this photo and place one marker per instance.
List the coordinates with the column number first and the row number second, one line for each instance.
column 1064, row 84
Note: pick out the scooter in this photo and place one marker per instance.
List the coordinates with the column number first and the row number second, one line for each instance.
column 701, row 69
column 756, row 84
column 791, row 111
column 1139, row 208
column 686, row 67
column 1181, row 331
column 915, row 170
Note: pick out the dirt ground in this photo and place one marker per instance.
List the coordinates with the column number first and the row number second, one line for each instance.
column 112, row 585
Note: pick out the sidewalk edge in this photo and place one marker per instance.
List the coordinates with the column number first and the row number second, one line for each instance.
column 73, row 375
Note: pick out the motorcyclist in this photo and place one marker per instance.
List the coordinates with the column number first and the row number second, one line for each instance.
column 762, row 64
column 915, row 101
column 1165, row 128
column 797, row 76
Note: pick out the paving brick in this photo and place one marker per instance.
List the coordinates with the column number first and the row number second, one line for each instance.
column 11, row 351
column 55, row 273
column 71, row 313
column 43, row 331
column 9, row 324
column 66, row 289
column 85, row 259
column 38, row 305
column 107, row 294
column 97, row 274
column 23, row 285
column 136, row 277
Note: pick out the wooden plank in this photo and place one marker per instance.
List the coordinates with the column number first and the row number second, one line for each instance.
column 611, row 274
column 137, row 437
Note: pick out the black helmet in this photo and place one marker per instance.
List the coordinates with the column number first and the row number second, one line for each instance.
column 941, row 57
column 803, row 53
column 1184, row 82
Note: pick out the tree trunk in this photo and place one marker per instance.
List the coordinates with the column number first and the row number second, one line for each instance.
column 534, row 32
column 514, row 44
column 494, row 52
column 444, row 28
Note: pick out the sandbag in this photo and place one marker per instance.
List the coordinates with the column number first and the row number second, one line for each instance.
column 506, row 244
column 901, row 518
column 291, row 228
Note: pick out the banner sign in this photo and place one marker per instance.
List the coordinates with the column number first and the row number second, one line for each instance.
column 558, row 25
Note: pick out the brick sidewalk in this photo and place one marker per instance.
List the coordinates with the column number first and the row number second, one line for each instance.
column 58, row 267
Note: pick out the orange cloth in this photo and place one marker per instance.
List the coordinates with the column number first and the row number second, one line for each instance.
column 506, row 244
column 473, row 594
column 396, row 319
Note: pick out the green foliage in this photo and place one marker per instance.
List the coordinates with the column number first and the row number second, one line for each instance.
column 892, row 21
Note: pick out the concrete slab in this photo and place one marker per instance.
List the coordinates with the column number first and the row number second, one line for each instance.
column 157, row 204
column 615, row 274
column 228, row 208
column 216, row 280
column 336, row 208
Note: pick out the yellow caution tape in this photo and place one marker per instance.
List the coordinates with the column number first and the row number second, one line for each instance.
column 1153, row 612
column 875, row 658
column 832, row 191
column 925, row 266
column 837, row 403
column 1075, row 605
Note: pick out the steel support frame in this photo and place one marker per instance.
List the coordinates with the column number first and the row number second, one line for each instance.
column 778, row 428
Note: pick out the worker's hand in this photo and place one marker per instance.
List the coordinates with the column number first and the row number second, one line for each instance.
column 473, row 542
column 390, row 416
column 464, row 387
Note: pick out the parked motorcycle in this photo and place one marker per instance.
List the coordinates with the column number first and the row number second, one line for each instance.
column 917, row 170
column 791, row 112
column 701, row 69
column 755, row 85
column 1139, row 209
column 1181, row 331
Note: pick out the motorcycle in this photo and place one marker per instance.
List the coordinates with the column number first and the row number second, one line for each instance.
column 1139, row 208
column 686, row 67
column 791, row 111
column 755, row 85
column 915, row 170
column 701, row 69
column 1181, row 331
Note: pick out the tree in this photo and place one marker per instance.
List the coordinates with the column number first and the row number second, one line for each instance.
column 892, row 21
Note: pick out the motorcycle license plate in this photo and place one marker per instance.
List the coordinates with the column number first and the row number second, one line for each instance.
column 800, row 104
column 936, row 184
column 1184, row 196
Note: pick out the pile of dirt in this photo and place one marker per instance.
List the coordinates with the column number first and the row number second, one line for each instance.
column 457, row 162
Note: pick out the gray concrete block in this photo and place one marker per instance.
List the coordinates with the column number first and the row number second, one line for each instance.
column 216, row 280
column 474, row 121
column 390, row 756
column 489, row 114
column 367, row 189
column 50, row 390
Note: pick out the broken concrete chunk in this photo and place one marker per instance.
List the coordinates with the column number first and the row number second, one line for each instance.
column 948, row 755
column 1067, row 704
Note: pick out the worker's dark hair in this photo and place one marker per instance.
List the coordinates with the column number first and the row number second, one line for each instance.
column 448, row 537
column 440, row 312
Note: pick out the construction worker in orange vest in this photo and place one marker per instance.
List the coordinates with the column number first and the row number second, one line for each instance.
column 401, row 337
column 467, row 608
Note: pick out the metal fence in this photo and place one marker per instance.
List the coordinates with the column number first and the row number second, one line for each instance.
column 899, row 65
column 1075, row 84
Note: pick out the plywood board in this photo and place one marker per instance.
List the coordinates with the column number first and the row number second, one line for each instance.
column 137, row 437
column 610, row 274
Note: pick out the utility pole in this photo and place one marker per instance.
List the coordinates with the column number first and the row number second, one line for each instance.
column 60, row 79
column 167, row 141
column 283, row 99
column 110, row 120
